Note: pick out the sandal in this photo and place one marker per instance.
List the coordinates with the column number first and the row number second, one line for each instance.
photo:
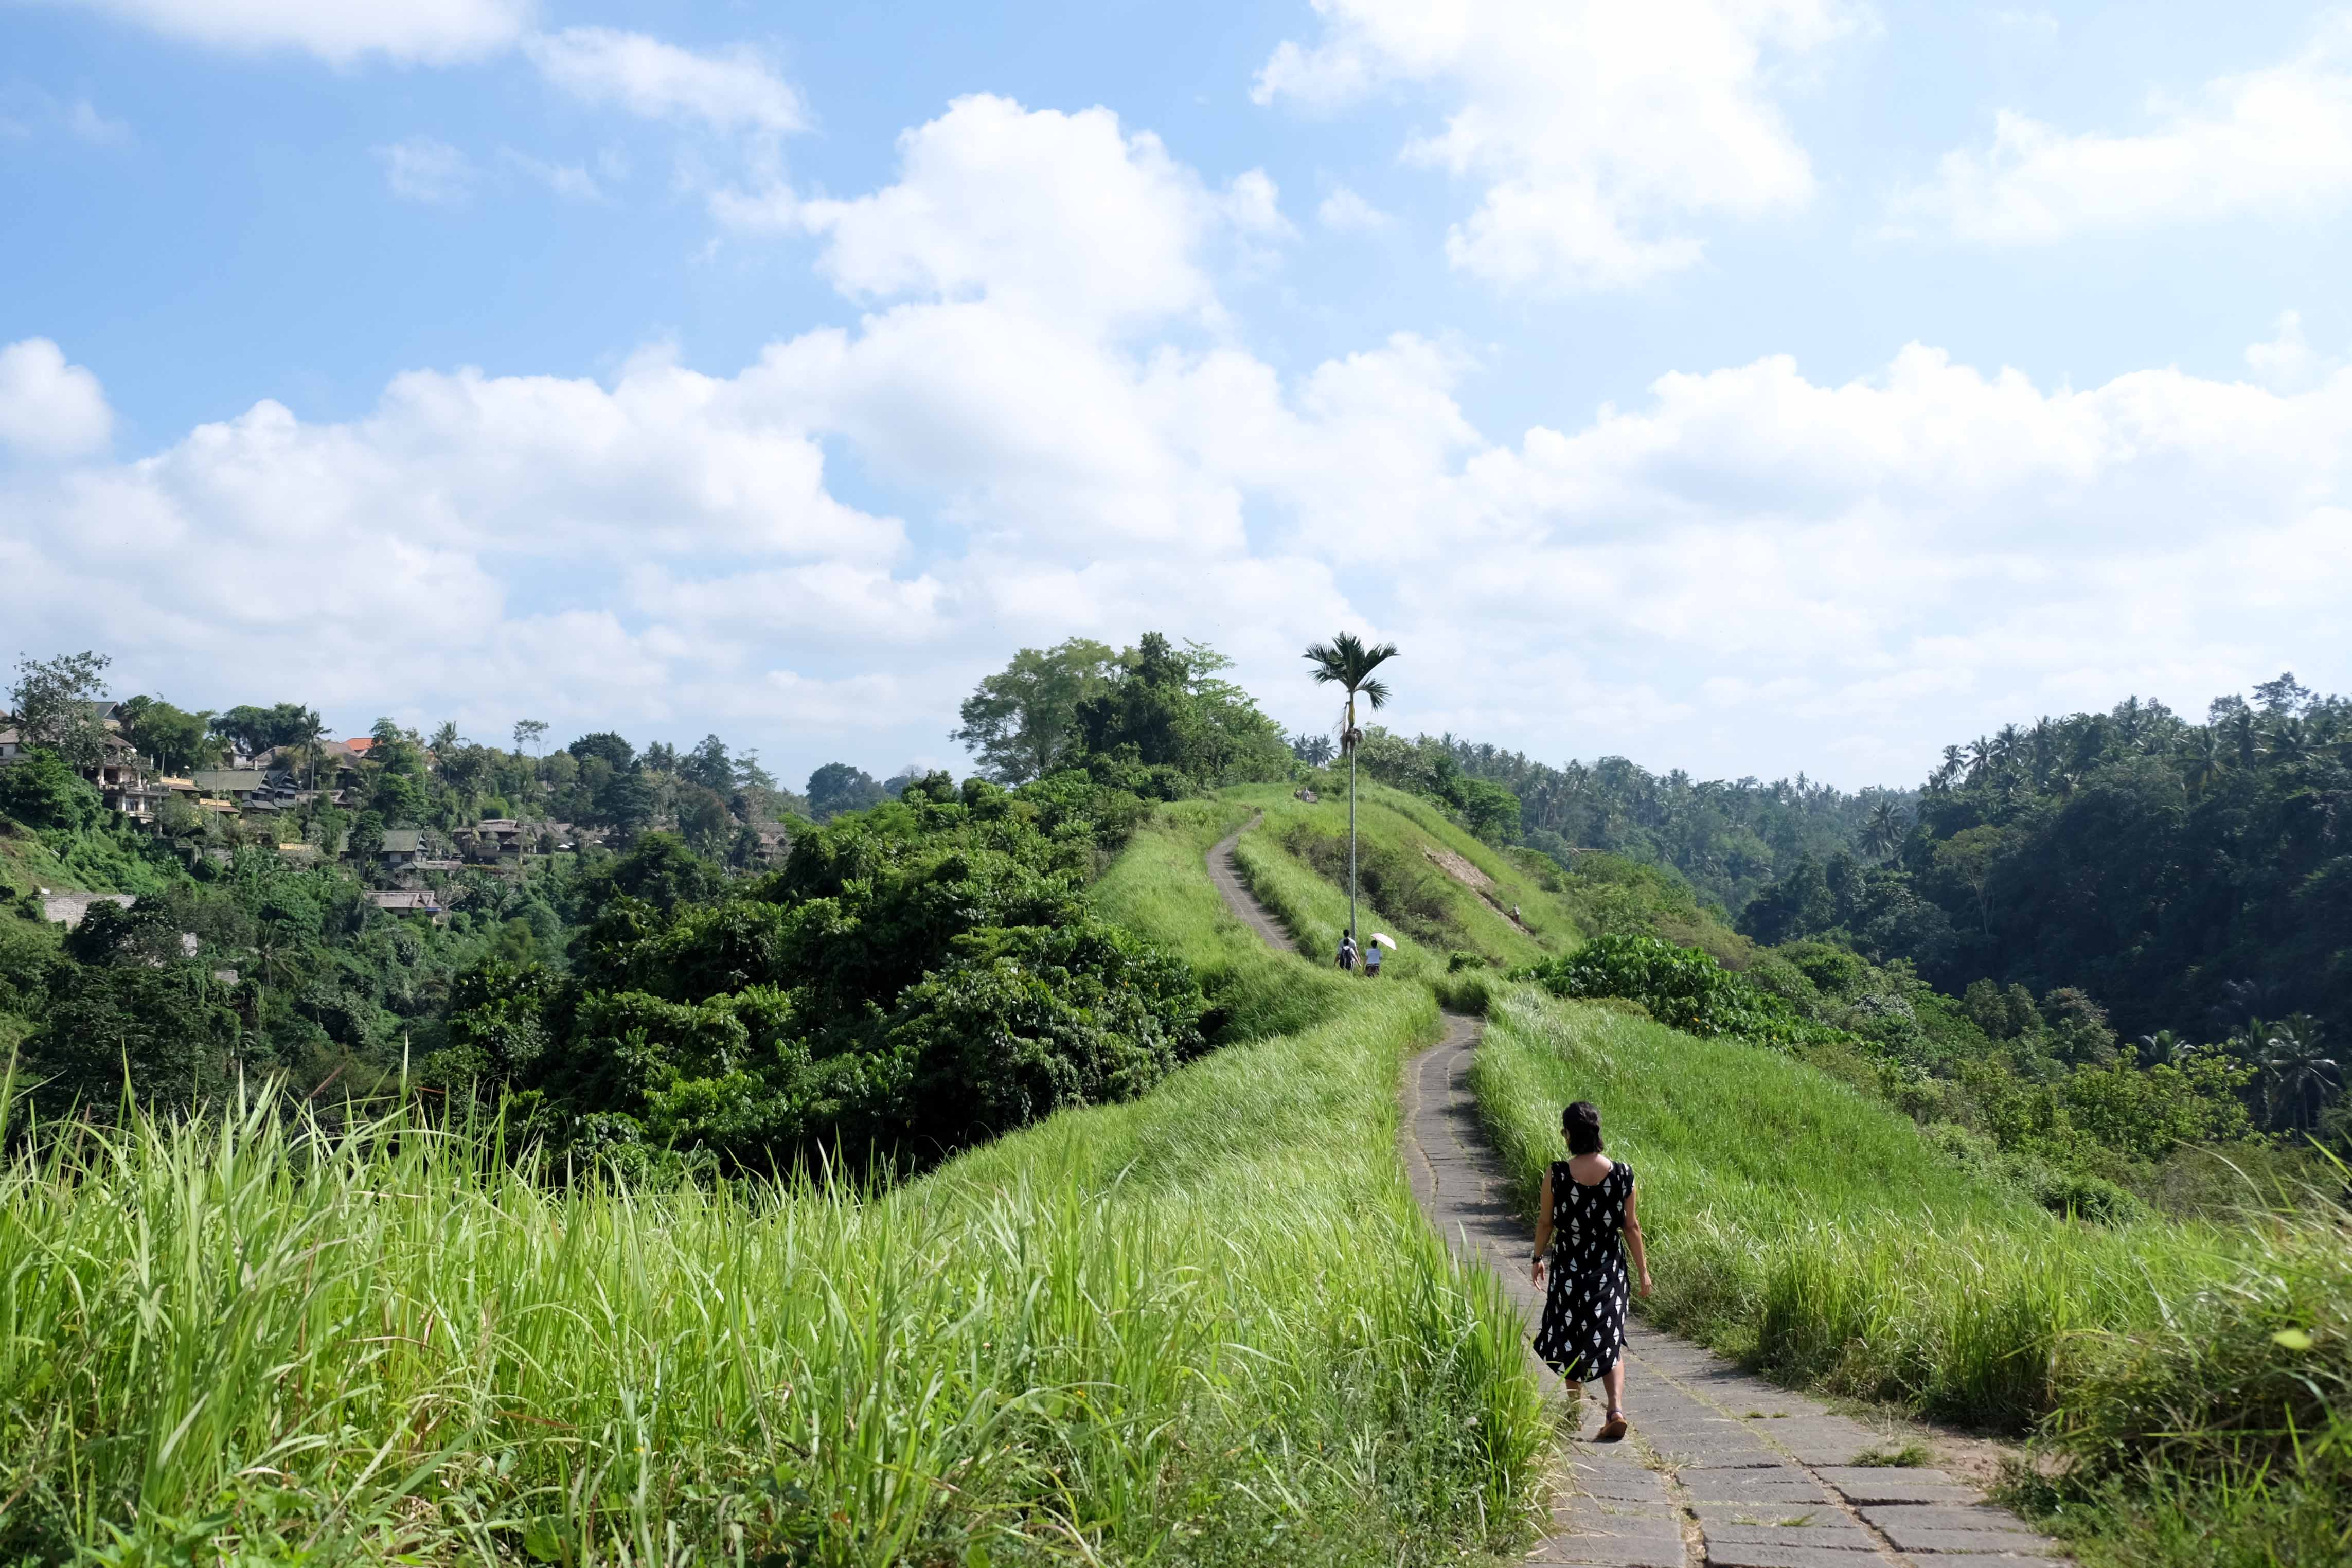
column 1611, row 1430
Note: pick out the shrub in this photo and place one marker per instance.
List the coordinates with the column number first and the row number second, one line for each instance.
column 40, row 791
column 1680, row 986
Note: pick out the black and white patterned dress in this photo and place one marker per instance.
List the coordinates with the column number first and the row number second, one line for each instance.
column 1583, row 1329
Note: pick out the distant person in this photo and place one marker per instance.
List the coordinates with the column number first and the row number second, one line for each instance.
column 1588, row 1204
column 1347, row 952
column 1371, row 961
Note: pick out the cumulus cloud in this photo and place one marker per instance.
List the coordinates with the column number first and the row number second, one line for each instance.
column 728, row 90
column 1065, row 216
column 433, row 32
column 1345, row 211
column 1598, row 132
column 2288, row 361
column 49, row 408
column 2271, row 141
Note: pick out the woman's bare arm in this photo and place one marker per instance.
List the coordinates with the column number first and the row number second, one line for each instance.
column 1543, row 1229
column 1633, row 1238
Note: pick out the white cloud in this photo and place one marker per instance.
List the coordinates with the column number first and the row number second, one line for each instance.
column 27, row 110
column 424, row 169
column 731, row 90
column 49, row 408
column 2288, row 362
column 1345, row 211
column 434, row 32
column 1597, row 131
column 571, row 181
column 1061, row 217
column 2271, row 141
column 83, row 120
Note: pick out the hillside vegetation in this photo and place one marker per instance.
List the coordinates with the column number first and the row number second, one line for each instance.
column 2198, row 1377
column 1207, row 1326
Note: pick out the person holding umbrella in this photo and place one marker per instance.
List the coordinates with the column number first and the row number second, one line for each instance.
column 1378, row 941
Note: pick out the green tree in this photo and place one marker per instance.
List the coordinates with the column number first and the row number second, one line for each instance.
column 56, row 703
column 1490, row 811
column 1346, row 663
column 40, row 791
column 309, row 733
column 1883, row 834
column 1971, row 856
column 175, row 739
column 836, row 788
column 615, row 751
column 2298, row 1075
column 708, row 765
column 253, row 731
column 1018, row 723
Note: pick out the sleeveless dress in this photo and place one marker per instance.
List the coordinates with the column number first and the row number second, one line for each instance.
column 1583, row 1329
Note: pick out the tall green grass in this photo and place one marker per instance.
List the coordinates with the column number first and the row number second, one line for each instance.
column 1205, row 1327
column 1810, row 1231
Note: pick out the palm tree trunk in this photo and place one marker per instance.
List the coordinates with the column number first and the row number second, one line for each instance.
column 1349, row 738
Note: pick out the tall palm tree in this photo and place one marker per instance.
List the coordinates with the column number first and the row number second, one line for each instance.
column 1346, row 663
column 307, row 732
column 2297, row 1074
column 1882, row 834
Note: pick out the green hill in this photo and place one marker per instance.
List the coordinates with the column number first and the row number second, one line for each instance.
column 1207, row 1326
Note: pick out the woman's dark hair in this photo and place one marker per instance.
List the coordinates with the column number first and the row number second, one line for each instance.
column 1582, row 1123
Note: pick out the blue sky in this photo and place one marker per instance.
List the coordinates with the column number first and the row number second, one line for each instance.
column 1746, row 386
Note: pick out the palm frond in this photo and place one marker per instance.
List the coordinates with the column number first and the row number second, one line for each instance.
column 1346, row 661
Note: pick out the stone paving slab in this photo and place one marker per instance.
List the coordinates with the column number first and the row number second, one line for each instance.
column 1720, row 1438
column 1746, row 1485
column 1778, row 1555
column 1842, row 1534
column 1920, row 1538
column 1935, row 1516
column 1768, row 1510
column 1587, row 1551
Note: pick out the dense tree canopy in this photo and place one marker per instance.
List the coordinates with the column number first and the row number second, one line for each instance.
column 2195, row 878
column 917, row 975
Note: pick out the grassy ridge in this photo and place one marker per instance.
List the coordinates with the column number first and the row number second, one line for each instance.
column 1206, row 1327
column 1397, row 834
column 1812, row 1232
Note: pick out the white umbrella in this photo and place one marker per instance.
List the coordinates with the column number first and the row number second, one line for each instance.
column 1384, row 939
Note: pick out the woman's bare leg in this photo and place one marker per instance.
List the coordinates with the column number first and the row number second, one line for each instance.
column 1612, row 1383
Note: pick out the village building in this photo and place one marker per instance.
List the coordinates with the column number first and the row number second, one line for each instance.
column 123, row 781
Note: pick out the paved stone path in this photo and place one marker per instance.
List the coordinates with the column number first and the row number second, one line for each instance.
column 1723, row 1471
column 1236, row 894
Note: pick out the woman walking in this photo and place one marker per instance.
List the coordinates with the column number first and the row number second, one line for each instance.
column 1588, row 1204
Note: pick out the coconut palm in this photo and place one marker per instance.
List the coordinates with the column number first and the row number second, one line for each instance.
column 2296, row 1075
column 2202, row 758
column 1882, row 834
column 1346, row 663
column 308, row 732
